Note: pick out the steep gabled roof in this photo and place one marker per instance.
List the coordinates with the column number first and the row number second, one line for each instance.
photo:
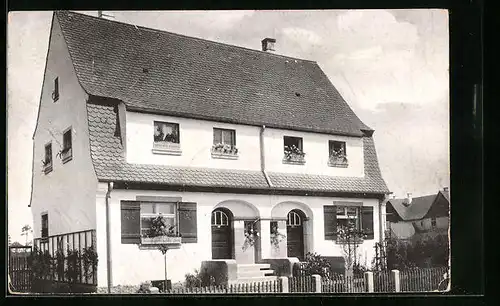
column 418, row 208
column 157, row 71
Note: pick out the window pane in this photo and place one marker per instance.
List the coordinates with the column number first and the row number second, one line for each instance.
column 67, row 139
column 227, row 137
column 147, row 208
column 146, row 222
column 165, row 208
column 340, row 210
column 217, row 218
column 352, row 211
column 165, row 131
column 217, row 136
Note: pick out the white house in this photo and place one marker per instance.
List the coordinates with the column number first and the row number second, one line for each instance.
column 136, row 121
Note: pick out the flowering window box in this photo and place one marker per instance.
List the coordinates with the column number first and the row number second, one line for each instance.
column 294, row 158
column 224, row 151
column 340, row 162
column 166, row 240
column 166, row 147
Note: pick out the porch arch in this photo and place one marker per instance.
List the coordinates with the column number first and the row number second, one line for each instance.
column 240, row 209
column 282, row 209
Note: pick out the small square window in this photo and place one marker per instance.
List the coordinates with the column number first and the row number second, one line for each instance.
column 166, row 138
column 433, row 222
column 166, row 132
column 293, row 150
column 67, row 151
column 55, row 92
column 45, row 225
column 337, row 154
column 224, row 144
column 47, row 162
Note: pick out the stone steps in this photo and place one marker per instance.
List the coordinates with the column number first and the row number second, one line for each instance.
column 259, row 273
column 254, row 273
column 251, row 280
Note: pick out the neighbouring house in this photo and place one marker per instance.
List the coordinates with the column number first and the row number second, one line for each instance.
column 426, row 215
column 226, row 142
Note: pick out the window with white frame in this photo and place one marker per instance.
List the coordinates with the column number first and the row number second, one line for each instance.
column 166, row 132
column 150, row 210
column 294, row 219
column 348, row 214
column 219, row 218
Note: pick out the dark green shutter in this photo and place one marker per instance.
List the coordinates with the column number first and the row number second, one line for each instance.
column 188, row 227
column 367, row 221
column 131, row 222
column 330, row 221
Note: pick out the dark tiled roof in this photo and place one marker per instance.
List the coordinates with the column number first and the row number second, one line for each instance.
column 157, row 71
column 109, row 163
column 418, row 208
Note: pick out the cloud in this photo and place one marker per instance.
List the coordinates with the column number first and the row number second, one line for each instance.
column 302, row 36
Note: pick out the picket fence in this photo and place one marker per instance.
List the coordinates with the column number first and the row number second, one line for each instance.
column 414, row 280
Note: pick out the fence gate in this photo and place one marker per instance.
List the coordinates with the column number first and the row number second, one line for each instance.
column 19, row 268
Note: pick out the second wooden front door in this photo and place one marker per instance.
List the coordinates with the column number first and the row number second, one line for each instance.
column 295, row 235
column 221, row 235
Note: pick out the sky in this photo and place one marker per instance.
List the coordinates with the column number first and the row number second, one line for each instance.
column 391, row 66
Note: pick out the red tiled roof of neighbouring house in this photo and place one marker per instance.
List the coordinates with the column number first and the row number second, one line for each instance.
column 157, row 71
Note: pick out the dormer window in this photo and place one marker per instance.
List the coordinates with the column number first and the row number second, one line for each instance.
column 166, row 138
column 224, row 145
column 337, row 154
column 293, row 152
column 55, row 92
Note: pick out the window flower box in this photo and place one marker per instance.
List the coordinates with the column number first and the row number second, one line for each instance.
column 165, row 240
column 338, row 159
column 224, row 151
column 168, row 148
column 294, row 155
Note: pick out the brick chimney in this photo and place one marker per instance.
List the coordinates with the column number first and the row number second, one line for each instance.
column 268, row 44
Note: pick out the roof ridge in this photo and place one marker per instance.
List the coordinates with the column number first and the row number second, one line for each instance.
column 192, row 37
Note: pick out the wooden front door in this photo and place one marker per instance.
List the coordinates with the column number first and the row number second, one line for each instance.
column 221, row 235
column 295, row 235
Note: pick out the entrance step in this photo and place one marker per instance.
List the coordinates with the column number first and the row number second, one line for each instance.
column 253, row 266
column 258, row 273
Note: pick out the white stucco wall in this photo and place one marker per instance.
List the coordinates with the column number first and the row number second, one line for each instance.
column 316, row 148
column 196, row 139
column 131, row 265
column 68, row 192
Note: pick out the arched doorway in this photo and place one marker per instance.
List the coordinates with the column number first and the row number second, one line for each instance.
column 295, row 234
column 222, row 234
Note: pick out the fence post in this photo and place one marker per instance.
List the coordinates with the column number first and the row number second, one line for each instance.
column 368, row 281
column 317, row 283
column 284, row 284
column 395, row 277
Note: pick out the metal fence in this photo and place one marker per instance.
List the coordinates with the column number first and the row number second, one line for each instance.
column 301, row 284
column 66, row 251
column 383, row 281
column 421, row 279
column 273, row 286
column 343, row 284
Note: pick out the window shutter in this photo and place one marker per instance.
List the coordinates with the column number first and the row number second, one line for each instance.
column 188, row 227
column 330, row 221
column 131, row 222
column 367, row 221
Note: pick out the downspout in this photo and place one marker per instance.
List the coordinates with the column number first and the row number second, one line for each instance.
column 263, row 157
column 108, row 237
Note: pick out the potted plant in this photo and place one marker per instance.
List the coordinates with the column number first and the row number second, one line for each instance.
column 161, row 232
column 224, row 149
column 276, row 236
column 294, row 154
column 251, row 235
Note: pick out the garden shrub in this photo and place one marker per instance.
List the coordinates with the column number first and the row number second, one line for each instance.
column 421, row 252
column 315, row 264
column 193, row 279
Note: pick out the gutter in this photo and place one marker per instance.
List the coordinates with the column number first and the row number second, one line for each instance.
column 263, row 157
column 108, row 237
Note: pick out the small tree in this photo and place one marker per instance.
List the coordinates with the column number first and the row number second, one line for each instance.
column 350, row 237
column 25, row 231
